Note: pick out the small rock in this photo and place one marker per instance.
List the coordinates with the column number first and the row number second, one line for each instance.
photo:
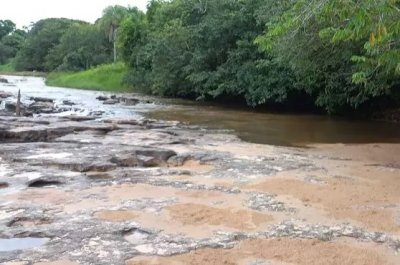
column 102, row 98
column 68, row 103
column 41, row 107
column 4, row 94
column 79, row 118
column 129, row 101
column 111, row 102
column 41, row 99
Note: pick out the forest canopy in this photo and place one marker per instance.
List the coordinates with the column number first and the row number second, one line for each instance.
column 333, row 55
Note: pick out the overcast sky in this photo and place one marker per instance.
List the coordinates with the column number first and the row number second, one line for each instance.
column 23, row 12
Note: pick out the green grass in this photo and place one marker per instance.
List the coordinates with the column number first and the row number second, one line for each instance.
column 104, row 78
column 7, row 68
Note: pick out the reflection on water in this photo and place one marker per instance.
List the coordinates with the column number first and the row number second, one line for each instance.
column 283, row 129
column 12, row 244
column 277, row 129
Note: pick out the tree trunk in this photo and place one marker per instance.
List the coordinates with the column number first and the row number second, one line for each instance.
column 114, row 39
column 115, row 51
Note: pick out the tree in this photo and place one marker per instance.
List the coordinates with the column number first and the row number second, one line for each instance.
column 82, row 46
column 11, row 40
column 6, row 27
column 203, row 50
column 345, row 52
column 110, row 22
column 43, row 36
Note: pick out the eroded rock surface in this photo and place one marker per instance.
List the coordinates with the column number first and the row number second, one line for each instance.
column 136, row 191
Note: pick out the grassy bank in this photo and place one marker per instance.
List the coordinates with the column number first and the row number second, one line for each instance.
column 9, row 69
column 105, row 78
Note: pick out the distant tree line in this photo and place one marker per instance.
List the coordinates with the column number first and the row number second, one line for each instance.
column 330, row 54
column 11, row 40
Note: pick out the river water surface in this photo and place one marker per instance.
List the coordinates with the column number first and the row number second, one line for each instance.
column 264, row 128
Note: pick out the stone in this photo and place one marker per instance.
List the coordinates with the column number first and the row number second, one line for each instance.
column 68, row 103
column 129, row 100
column 79, row 118
column 111, row 102
column 3, row 80
column 41, row 107
column 4, row 94
column 41, row 99
column 102, row 98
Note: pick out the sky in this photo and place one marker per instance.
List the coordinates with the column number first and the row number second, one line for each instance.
column 23, row 12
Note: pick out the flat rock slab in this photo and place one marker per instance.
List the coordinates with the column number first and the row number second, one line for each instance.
column 110, row 192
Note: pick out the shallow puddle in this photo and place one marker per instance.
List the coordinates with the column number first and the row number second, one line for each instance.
column 12, row 244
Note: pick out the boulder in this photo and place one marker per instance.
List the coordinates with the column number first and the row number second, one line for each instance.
column 111, row 102
column 102, row 98
column 12, row 106
column 3, row 80
column 40, row 99
column 4, row 94
column 41, row 107
column 68, row 103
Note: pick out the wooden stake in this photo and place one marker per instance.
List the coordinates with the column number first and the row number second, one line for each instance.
column 18, row 107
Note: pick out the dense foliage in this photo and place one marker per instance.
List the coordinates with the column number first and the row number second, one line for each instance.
column 331, row 54
column 341, row 54
column 11, row 40
column 203, row 49
column 346, row 53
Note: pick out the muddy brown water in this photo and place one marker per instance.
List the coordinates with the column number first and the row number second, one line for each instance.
column 257, row 127
column 282, row 129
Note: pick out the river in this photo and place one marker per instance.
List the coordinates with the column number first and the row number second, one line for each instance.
column 251, row 126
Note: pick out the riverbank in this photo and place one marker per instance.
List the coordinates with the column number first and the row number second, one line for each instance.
column 105, row 188
column 101, row 78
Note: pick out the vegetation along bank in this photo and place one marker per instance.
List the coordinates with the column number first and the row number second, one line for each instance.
column 337, row 57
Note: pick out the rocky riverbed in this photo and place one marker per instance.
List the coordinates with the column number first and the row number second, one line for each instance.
column 93, row 188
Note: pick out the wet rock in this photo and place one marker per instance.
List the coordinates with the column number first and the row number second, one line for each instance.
column 128, row 100
column 111, row 102
column 177, row 161
column 42, row 182
column 29, row 133
column 98, row 175
column 41, row 107
column 4, row 94
column 68, row 103
column 87, row 167
column 160, row 155
column 144, row 158
column 123, row 121
column 12, row 106
column 102, row 98
column 96, row 113
column 125, row 160
column 41, row 99
column 28, row 221
column 3, row 80
column 79, row 118
column 3, row 185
